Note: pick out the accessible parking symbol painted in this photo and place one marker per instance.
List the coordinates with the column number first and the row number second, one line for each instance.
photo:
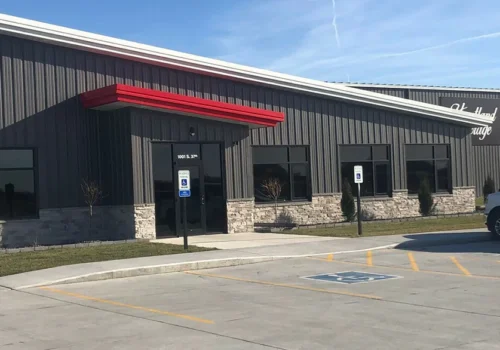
column 351, row 277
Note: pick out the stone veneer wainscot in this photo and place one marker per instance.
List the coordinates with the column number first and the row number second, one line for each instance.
column 240, row 215
column 325, row 209
column 322, row 209
column 72, row 225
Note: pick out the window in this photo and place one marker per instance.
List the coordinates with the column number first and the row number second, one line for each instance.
column 376, row 168
column 288, row 164
column 431, row 161
column 17, row 184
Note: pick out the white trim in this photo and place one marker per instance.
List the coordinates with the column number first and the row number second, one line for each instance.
column 134, row 51
column 417, row 87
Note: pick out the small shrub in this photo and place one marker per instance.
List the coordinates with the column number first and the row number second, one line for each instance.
column 425, row 197
column 284, row 218
column 347, row 201
column 488, row 188
column 367, row 215
column 272, row 189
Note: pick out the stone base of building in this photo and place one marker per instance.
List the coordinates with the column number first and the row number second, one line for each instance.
column 145, row 221
column 325, row 209
column 74, row 225
column 322, row 209
column 240, row 215
column 403, row 205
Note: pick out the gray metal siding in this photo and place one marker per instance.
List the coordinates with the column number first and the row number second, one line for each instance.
column 39, row 106
column 325, row 124
column 485, row 160
column 38, row 109
column 149, row 126
column 396, row 92
column 486, row 163
column 115, row 160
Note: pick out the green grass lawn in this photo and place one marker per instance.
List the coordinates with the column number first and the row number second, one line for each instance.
column 396, row 228
column 13, row 263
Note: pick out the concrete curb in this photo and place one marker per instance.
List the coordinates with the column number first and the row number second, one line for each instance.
column 182, row 266
column 152, row 270
column 236, row 261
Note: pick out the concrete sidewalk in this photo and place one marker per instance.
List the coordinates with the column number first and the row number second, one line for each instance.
column 244, row 240
column 231, row 257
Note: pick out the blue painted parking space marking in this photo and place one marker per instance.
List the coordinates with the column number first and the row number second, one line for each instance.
column 351, row 277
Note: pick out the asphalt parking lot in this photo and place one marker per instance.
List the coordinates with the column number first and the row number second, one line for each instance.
column 441, row 298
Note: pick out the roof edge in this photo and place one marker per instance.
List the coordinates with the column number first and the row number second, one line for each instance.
column 63, row 36
column 417, row 87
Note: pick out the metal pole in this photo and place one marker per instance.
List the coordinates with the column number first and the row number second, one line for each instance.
column 184, row 218
column 360, row 229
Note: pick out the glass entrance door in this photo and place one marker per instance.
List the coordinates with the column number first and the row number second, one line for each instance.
column 206, row 209
column 195, row 204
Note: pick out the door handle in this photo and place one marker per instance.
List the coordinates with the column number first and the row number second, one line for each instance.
column 202, row 199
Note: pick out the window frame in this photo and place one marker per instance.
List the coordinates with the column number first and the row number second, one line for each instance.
column 35, row 170
column 433, row 160
column 290, row 196
column 373, row 163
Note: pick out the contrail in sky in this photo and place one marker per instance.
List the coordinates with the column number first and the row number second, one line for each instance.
column 440, row 46
column 334, row 23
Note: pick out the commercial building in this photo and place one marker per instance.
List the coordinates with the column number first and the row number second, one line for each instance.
column 485, row 140
column 77, row 106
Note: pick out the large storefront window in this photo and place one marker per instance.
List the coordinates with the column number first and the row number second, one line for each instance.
column 287, row 164
column 431, row 161
column 17, row 184
column 375, row 160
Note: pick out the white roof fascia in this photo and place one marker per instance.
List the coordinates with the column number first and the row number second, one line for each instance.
column 58, row 35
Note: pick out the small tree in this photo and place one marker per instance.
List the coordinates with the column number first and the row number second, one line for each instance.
column 425, row 197
column 347, row 201
column 92, row 194
column 488, row 188
column 272, row 189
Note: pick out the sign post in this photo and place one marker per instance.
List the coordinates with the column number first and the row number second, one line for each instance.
column 358, row 178
column 184, row 193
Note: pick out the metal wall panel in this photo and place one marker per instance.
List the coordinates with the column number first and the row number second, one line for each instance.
column 150, row 126
column 115, row 157
column 396, row 92
column 39, row 106
column 329, row 123
column 485, row 160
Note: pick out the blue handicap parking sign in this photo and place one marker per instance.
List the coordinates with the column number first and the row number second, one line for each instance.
column 351, row 277
column 184, row 182
column 358, row 176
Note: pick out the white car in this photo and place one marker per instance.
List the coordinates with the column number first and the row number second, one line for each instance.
column 492, row 213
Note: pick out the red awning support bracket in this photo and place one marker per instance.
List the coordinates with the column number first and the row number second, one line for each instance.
column 119, row 95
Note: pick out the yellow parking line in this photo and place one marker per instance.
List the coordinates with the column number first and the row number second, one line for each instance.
column 129, row 306
column 293, row 286
column 329, row 257
column 369, row 258
column 413, row 263
column 407, row 269
column 460, row 267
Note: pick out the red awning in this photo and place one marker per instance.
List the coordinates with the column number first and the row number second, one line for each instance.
column 119, row 95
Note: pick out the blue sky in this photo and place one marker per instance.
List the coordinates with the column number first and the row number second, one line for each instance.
column 428, row 42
